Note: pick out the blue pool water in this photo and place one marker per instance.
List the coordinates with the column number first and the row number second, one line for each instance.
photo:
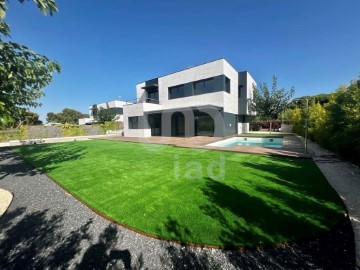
column 246, row 141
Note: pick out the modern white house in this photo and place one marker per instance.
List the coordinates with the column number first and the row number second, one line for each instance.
column 116, row 105
column 206, row 100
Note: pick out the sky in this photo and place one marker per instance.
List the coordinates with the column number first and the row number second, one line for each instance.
column 106, row 47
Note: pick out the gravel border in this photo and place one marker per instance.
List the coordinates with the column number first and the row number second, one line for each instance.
column 44, row 227
column 344, row 177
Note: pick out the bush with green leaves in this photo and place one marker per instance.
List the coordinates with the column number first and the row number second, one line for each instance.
column 336, row 124
column 68, row 130
column 8, row 135
column 111, row 125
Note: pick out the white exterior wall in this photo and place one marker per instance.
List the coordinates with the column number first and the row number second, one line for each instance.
column 250, row 89
column 231, row 100
column 84, row 121
column 215, row 99
column 138, row 109
column 140, row 93
column 243, row 128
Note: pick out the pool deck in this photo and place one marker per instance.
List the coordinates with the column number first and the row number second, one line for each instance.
column 292, row 146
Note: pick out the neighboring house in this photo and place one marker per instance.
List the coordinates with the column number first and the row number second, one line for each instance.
column 116, row 105
column 206, row 100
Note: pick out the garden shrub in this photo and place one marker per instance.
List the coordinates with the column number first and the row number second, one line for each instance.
column 68, row 130
column 334, row 125
column 111, row 125
column 8, row 135
column 23, row 132
column 255, row 125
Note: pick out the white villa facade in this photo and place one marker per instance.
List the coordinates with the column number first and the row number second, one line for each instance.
column 206, row 100
column 116, row 105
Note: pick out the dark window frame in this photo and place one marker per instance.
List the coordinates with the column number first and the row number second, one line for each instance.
column 205, row 88
column 133, row 122
column 227, row 85
column 152, row 96
column 176, row 88
column 239, row 90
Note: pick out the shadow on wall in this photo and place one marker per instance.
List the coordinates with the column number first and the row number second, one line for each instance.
column 37, row 241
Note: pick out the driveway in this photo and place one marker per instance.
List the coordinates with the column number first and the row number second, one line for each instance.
column 45, row 227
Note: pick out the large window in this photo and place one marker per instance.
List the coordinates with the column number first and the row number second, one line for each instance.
column 204, row 86
column 227, row 84
column 133, row 122
column 177, row 91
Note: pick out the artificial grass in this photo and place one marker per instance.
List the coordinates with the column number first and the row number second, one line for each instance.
column 239, row 200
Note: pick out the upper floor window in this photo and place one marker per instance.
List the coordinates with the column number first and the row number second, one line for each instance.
column 204, row 86
column 177, row 91
column 240, row 90
column 227, row 84
column 153, row 97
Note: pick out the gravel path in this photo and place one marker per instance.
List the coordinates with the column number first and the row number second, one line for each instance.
column 45, row 228
column 345, row 179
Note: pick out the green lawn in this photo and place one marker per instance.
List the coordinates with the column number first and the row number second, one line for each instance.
column 195, row 196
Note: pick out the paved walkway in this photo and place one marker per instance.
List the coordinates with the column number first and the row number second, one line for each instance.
column 45, row 227
column 345, row 179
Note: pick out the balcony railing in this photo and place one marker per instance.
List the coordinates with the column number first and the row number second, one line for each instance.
column 142, row 100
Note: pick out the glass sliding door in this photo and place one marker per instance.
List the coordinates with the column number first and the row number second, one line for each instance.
column 204, row 125
column 155, row 124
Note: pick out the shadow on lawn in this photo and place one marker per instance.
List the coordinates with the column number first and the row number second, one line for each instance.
column 45, row 157
column 292, row 197
column 175, row 229
column 37, row 240
column 335, row 250
column 13, row 165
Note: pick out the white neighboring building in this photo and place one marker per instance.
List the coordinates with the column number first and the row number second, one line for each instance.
column 116, row 105
column 206, row 100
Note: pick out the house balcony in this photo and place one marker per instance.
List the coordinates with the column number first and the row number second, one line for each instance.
column 140, row 106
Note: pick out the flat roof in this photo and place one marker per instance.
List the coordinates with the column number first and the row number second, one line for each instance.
column 185, row 69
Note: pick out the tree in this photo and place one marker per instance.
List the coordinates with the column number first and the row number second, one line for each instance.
column 105, row 115
column 297, row 121
column 52, row 117
column 23, row 73
column 334, row 120
column 67, row 116
column 269, row 104
column 317, row 122
column 29, row 118
column 344, row 121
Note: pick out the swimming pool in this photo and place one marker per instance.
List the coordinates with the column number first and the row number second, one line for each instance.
column 250, row 141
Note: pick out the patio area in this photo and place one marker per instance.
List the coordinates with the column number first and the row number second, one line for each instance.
column 292, row 146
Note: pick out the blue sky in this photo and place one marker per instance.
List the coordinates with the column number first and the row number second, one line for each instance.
column 106, row 47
